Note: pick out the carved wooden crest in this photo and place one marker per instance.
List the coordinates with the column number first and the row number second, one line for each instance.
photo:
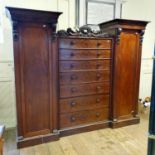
column 84, row 31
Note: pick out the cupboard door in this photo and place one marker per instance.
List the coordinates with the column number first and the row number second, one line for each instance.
column 125, row 83
column 34, row 62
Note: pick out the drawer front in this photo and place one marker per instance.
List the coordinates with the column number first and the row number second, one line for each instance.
column 83, row 117
column 84, row 65
column 83, row 77
column 84, row 43
column 85, row 89
column 71, row 54
column 83, row 103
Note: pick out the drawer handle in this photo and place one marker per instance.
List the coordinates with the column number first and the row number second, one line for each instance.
column 72, row 54
column 98, row 87
column 72, row 43
column 71, row 65
column 73, row 77
column 98, row 44
column 98, row 54
column 73, row 118
column 98, row 65
column 73, row 90
column 97, row 114
column 98, row 75
column 73, row 104
column 98, row 100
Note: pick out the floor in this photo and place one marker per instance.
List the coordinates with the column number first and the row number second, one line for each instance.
column 131, row 140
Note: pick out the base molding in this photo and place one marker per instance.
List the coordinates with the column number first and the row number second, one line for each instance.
column 78, row 129
column 37, row 140
column 125, row 122
column 86, row 128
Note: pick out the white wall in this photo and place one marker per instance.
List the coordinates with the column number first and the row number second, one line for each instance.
column 143, row 10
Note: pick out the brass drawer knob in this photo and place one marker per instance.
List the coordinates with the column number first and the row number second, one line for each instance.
column 73, row 104
column 73, row 118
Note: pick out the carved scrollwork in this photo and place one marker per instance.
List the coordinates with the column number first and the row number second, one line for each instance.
column 54, row 34
column 84, row 31
column 15, row 31
column 119, row 30
column 141, row 36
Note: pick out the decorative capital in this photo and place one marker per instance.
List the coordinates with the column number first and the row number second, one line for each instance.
column 15, row 31
column 54, row 36
column 118, row 33
column 141, row 36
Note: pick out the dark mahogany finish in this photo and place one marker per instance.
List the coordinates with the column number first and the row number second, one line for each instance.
column 85, row 89
column 128, row 36
column 79, row 54
column 85, row 43
column 35, row 57
column 84, row 76
column 83, row 117
column 85, row 81
column 71, row 84
column 84, row 65
column 83, row 103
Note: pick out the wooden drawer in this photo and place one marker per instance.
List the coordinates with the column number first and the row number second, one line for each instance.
column 84, row 65
column 72, row 54
column 85, row 89
column 84, row 77
column 84, row 43
column 83, row 117
column 83, row 103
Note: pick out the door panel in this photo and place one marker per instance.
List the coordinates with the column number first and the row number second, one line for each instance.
column 35, row 80
column 125, row 74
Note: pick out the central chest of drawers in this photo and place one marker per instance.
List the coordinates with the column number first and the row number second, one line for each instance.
column 84, row 80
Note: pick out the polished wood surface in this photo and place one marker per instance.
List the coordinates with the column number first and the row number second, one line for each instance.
column 84, row 65
column 84, row 76
column 35, row 75
column 126, row 73
column 84, row 70
column 35, row 80
column 71, row 84
column 83, row 103
column 84, row 43
column 86, row 89
column 128, row 36
column 83, row 54
column 83, row 117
